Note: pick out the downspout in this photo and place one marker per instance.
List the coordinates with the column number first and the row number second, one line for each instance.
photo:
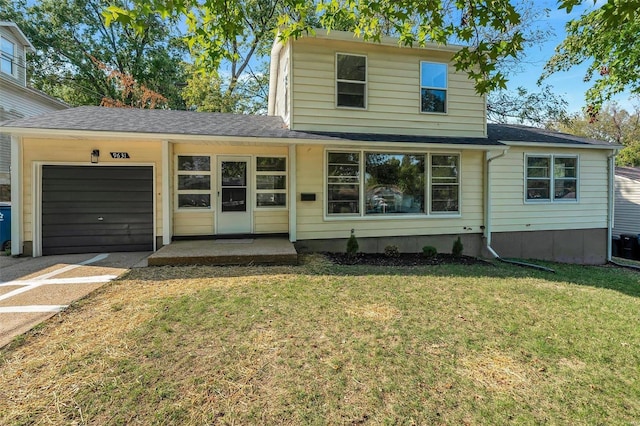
column 487, row 216
column 611, row 201
column 16, row 196
column 487, row 199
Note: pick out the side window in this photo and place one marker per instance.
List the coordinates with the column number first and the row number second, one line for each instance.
column 445, row 183
column 433, row 87
column 551, row 178
column 343, row 183
column 271, row 182
column 351, row 81
column 193, row 181
column 7, row 56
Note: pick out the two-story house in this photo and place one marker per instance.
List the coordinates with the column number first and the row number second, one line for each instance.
column 388, row 141
column 17, row 100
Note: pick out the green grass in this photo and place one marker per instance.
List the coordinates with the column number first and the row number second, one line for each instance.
column 322, row 344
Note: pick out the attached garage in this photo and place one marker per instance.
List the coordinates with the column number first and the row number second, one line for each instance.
column 97, row 209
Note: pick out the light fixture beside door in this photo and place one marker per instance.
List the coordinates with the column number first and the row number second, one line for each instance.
column 95, row 155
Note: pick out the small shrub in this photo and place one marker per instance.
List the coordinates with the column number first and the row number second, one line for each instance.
column 352, row 244
column 429, row 251
column 391, row 251
column 457, row 248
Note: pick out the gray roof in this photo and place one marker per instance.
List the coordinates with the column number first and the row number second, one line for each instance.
column 167, row 122
column 628, row 172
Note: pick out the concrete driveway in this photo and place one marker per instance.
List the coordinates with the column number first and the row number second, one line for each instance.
column 35, row 289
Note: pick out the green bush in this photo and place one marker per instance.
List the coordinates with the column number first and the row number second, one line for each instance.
column 457, row 248
column 352, row 244
column 429, row 251
column 391, row 251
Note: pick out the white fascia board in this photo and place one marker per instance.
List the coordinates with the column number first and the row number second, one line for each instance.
column 561, row 145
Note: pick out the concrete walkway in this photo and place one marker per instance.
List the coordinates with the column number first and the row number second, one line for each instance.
column 241, row 251
column 35, row 289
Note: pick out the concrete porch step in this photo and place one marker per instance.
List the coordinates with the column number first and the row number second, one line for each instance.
column 245, row 251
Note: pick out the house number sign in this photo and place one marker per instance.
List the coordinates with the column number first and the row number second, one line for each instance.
column 120, row 155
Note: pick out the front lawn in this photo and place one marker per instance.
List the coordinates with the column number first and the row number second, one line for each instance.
column 326, row 344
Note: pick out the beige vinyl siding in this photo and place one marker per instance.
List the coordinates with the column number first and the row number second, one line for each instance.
column 393, row 92
column 627, row 206
column 311, row 222
column 510, row 212
column 77, row 152
column 202, row 222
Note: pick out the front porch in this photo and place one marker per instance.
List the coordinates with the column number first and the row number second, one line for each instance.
column 241, row 251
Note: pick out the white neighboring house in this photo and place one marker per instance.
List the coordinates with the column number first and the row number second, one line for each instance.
column 627, row 199
column 17, row 100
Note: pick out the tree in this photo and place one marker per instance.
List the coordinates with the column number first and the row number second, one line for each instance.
column 67, row 34
column 607, row 38
column 613, row 124
column 539, row 109
column 217, row 26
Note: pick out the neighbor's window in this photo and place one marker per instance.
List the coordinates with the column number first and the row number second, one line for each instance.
column 551, row 178
column 271, row 182
column 351, row 80
column 394, row 183
column 445, row 183
column 7, row 56
column 343, row 183
column 194, row 181
column 433, row 87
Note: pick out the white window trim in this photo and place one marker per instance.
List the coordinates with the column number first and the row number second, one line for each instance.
column 446, row 90
column 13, row 59
column 276, row 191
column 210, row 191
column 362, row 216
column 365, row 82
column 552, row 179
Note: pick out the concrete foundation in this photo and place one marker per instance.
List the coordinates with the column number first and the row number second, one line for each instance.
column 581, row 246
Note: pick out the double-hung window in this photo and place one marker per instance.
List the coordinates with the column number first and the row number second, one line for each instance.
column 364, row 183
column 351, row 81
column 7, row 56
column 271, row 182
column 194, row 181
column 551, row 178
column 433, row 87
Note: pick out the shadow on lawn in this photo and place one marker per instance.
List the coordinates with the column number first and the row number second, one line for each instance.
column 608, row 276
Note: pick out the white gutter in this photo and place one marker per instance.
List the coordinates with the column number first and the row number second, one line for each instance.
column 567, row 145
column 293, row 198
column 273, row 74
column 166, row 195
column 16, row 196
column 610, row 201
column 487, row 199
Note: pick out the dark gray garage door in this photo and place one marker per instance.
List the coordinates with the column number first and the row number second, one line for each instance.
column 96, row 209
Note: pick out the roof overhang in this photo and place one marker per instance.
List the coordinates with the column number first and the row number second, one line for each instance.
column 18, row 34
column 561, row 145
column 235, row 140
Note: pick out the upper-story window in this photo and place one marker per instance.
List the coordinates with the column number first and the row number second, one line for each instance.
column 433, row 87
column 7, row 56
column 351, row 81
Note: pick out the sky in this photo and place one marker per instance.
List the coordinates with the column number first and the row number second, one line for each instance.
column 570, row 85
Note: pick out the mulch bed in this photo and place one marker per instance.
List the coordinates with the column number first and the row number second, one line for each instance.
column 404, row 259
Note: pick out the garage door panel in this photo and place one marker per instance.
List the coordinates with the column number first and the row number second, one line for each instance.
column 92, row 209
column 65, row 230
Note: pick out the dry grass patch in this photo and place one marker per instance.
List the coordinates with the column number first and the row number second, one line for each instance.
column 319, row 344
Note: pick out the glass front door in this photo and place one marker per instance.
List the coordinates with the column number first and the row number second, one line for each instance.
column 234, row 196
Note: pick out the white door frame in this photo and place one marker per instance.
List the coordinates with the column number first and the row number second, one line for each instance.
column 234, row 222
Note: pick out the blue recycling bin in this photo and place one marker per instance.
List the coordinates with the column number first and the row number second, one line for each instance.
column 5, row 226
